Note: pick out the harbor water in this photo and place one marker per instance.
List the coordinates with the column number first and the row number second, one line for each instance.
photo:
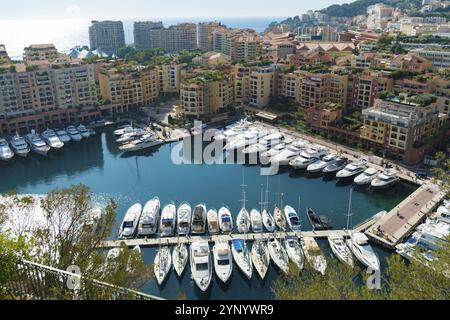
column 98, row 163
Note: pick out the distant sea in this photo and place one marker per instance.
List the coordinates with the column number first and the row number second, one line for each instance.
column 68, row 33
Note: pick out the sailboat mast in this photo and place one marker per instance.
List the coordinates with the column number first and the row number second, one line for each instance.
column 262, row 198
column 243, row 190
column 349, row 213
column 266, row 204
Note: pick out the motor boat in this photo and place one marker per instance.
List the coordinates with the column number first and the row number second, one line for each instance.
column 148, row 224
column 198, row 224
column 318, row 223
column 6, row 153
column 142, row 143
column 266, row 157
column 366, row 177
column 359, row 245
column 242, row 257
column 351, row 170
column 52, row 140
column 319, row 165
column 340, row 249
column 268, row 221
column 124, row 130
column 37, row 145
column 212, row 218
column 130, row 222
column 92, row 132
column 278, row 254
column 20, row 146
column 260, row 257
column 289, row 154
column 168, row 217
column 385, row 180
column 337, row 165
column 74, row 134
column 83, row 131
column 308, row 157
column 294, row 251
column 292, row 219
column 233, row 130
column 201, row 266
column 314, row 255
column 180, row 256
column 280, row 219
column 223, row 261
column 264, row 144
column 244, row 140
column 63, row 136
column 128, row 137
column 162, row 264
column 184, row 217
column 256, row 221
column 243, row 221
column 225, row 220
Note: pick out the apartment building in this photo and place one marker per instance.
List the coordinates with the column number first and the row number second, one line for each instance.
column 205, row 35
column 212, row 59
column 4, row 58
column 401, row 128
column 129, row 86
column 239, row 45
column 379, row 15
column 40, row 52
column 440, row 58
column 107, row 36
column 364, row 88
column 143, row 34
column 203, row 95
column 263, row 86
column 322, row 117
column 170, row 78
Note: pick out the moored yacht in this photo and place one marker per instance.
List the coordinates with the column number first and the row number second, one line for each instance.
column 148, row 224
column 307, row 157
column 168, row 217
column 314, row 255
column 268, row 220
column 19, row 146
column 256, row 221
column 242, row 257
column 198, row 224
column 184, row 217
column 340, row 249
column 359, row 245
column 201, row 266
column 212, row 218
column 290, row 153
column 292, row 218
column 6, row 153
column 318, row 166
column 37, row 145
column 124, row 130
column 130, row 222
column 83, row 131
column 280, row 219
column 278, row 254
column 318, row 222
column 52, row 140
column 336, row 166
column 385, row 180
column 223, row 261
column 260, row 257
column 128, row 137
column 366, row 177
column 243, row 221
column 180, row 256
column 225, row 220
column 142, row 143
column 162, row 264
column 74, row 134
column 63, row 136
column 264, row 144
column 266, row 157
column 351, row 170
column 294, row 251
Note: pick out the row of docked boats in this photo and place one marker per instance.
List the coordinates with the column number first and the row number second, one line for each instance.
column 41, row 144
column 131, row 139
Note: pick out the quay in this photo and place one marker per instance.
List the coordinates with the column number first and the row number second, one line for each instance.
column 398, row 224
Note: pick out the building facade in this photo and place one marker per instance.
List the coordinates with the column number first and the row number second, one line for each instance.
column 107, row 36
column 40, row 52
column 205, row 35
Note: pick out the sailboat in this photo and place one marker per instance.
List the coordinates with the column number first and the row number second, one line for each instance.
column 280, row 218
column 223, row 261
column 268, row 220
column 180, row 257
column 340, row 249
column 294, row 251
column 242, row 257
column 260, row 257
column 162, row 264
column 278, row 254
column 314, row 255
column 243, row 218
column 256, row 217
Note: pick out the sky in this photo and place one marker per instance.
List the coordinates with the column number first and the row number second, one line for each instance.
column 132, row 9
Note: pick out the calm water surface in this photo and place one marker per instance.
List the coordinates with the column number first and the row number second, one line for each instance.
column 99, row 164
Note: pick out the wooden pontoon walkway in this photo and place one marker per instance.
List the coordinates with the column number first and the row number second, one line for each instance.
column 403, row 219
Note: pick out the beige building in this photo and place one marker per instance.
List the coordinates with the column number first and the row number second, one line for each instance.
column 212, row 59
column 40, row 52
column 107, row 36
column 4, row 58
column 170, row 78
column 364, row 88
column 379, row 15
column 205, row 35
column 239, row 45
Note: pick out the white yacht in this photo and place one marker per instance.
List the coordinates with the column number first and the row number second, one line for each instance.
column 314, row 255
column 244, row 140
column 162, row 264
column 225, row 220
column 148, row 224
column 290, row 153
column 335, row 166
column 292, row 218
column 307, row 157
column 260, row 257
column 264, row 144
column 184, row 217
column 52, row 140
column 201, row 266
column 124, row 130
column 266, row 157
column 385, row 180
column 180, row 256
column 223, row 261
column 92, row 132
column 243, row 221
column 128, row 137
column 198, row 224
column 366, row 177
column 37, row 145
column 351, row 170
column 268, row 221
column 74, row 134
column 359, row 245
column 280, row 219
column 278, row 254
column 6, row 153
column 63, row 136
column 242, row 257
column 142, row 143
column 20, row 146
column 294, row 251
column 233, row 130
column 130, row 222
column 83, row 131
column 318, row 166
column 256, row 221
column 212, row 217
column 340, row 249
column 168, row 217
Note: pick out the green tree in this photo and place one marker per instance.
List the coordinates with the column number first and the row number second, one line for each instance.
column 442, row 173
